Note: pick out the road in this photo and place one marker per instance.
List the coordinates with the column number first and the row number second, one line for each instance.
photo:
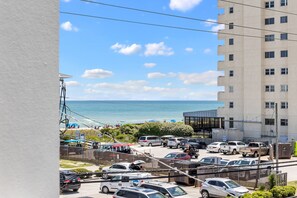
column 92, row 190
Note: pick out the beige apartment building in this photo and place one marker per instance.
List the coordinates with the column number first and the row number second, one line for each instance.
column 259, row 61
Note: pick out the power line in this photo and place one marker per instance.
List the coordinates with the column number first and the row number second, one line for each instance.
column 182, row 17
column 164, row 26
column 252, row 6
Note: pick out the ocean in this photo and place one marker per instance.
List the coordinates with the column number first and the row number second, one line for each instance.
column 91, row 113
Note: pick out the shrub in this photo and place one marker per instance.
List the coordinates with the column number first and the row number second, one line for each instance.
column 98, row 173
column 283, row 191
column 262, row 188
column 259, row 194
column 81, row 172
column 272, row 180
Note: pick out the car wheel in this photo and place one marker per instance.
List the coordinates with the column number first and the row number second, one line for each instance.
column 75, row 190
column 104, row 176
column 225, row 153
column 196, row 156
column 219, row 151
column 170, row 146
column 150, row 145
column 205, row 194
column 234, row 152
column 243, row 154
column 256, row 154
column 105, row 190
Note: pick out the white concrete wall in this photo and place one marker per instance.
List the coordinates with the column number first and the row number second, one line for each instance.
column 29, row 94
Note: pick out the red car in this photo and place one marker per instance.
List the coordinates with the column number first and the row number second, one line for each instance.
column 177, row 156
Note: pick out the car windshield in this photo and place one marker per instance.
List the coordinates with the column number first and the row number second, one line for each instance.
column 232, row 184
column 232, row 143
column 207, row 160
column 176, row 191
column 242, row 162
column 142, row 138
column 171, row 139
column 214, row 143
column 170, row 155
column 253, row 145
column 156, row 195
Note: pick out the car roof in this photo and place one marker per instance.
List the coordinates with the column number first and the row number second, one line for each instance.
column 139, row 189
column 218, row 179
column 159, row 183
column 123, row 163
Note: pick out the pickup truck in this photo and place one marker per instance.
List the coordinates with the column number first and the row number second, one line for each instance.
column 253, row 149
column 232, row 147
column 247, row 164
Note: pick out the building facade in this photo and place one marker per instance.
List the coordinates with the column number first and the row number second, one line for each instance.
column 260, row 66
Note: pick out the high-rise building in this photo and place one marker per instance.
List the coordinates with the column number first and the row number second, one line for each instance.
column 260, row 67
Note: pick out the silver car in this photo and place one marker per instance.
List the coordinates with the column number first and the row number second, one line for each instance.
column 221, row 187
column 137, row 192
column 174, row 142
column 150, row 141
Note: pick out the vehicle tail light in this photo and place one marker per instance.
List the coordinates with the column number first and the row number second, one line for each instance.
column 78, row 179
column 144, row 140
column 67, row 181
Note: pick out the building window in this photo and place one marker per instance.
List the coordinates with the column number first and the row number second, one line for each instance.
column 231, row 122
column 231, row 89
column 231, row 10
column 231, row 26
column 284, row 3
column 284, row 53
column 269, row 72
column 284, row 122
column 269, row 54
column 284, row 88
column 269, row 121
column 231, row 73
column 284, row 71
column 231, row 41
column 284, row 105
column 231, row 105
column 269, row 88
column 284, row 19
column 284, row 36
column 231, row 57
column 269, row 37
column 269, row 105
column 269, row 4
column 269, row 21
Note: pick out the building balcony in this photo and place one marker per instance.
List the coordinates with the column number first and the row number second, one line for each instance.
column 222, row 18
column 221, row 65
column 221, row 50
column 221, row 81
column 222, row 96
column 221, row 4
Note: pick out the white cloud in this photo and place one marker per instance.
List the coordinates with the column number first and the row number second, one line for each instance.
column 161, row 75
column 189, row 49
column 150, row 65
column 218, row 27
column 97, row 73
column 207, row 51
column 169, row 84
column 67, row 26
column 66, row 1
column 210, row 22
column 72, row 83
column 126, row 50
column 208, row 78
column 158, row 49
column 183, row 5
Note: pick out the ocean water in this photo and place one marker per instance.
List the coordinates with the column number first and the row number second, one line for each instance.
column 91, row 113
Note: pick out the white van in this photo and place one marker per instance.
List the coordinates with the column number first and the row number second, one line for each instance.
column 122, row 180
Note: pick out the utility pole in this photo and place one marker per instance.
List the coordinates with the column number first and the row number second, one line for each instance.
column 277, row 138
column 258, row 167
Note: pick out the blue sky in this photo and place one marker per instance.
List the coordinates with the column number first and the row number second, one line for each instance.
column 111, row 60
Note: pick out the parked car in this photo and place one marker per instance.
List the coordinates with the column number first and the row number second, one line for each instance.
column 211, row 160
column 232, row 147
column 221, row 187
column 253, row 149
column 121, row 167
column 167, row 189
column 150, row 141
column 122, row 180
column 137, row 192
column 174, row 142
column 177, row 156
column 226, row 164
column 215, row 147
column 69, row 181
column 196, row 143
column 165, row 138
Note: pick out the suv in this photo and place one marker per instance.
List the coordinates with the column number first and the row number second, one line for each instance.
column 174, row 142
column 150, row 141
column 137, row 192
column 167, row 189
column 69, row 181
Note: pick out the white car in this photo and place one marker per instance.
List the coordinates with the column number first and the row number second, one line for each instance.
column 221, row 187
column 215, row 147
column 122, row 180
column 121, row 167
column 174, row 142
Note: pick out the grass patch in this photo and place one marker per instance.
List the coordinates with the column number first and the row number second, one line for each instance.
column 73, row 164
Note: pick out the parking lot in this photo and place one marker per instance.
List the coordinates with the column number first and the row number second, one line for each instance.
column 92, row 190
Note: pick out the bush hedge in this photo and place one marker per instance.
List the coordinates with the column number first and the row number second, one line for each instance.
column 81, row 171
column 275, row 192
column 259, row 194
